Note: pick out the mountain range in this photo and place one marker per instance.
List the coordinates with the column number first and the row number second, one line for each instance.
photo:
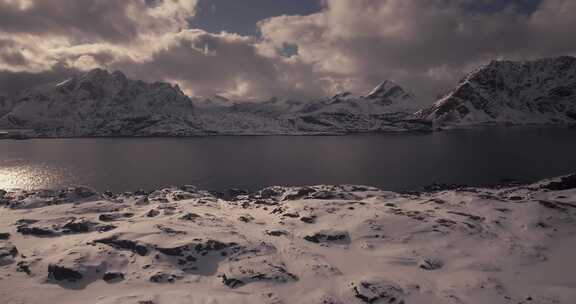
column 100, row 103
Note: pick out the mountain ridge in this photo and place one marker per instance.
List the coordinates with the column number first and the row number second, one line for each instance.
column 102, row 103
column 510, row 93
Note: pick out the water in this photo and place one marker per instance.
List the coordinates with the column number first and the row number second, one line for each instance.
column 392, row 162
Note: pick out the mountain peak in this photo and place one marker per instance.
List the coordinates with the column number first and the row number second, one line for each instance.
column 511, row 92
column 119, row 75
column 96, row 73
column 99, row 74
column 388, row 89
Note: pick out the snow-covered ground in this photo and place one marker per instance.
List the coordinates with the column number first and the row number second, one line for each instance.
column 318, row 244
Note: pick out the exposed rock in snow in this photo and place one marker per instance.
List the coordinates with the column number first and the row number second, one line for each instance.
column 507, row 92
column 60, row 273
column 377, row 291
column 7, row 253
column 113, row 277
column 336, row 237
column 429, row 263
column 357, row 244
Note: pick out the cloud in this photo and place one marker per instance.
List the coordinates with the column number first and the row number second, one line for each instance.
column 350, row 45
column 147, row 39
column 426, row 45
column 48, row 37
column 90, row 20
column 13, row 82
column 229, row 64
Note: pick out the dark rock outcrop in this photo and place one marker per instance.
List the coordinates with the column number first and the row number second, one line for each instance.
column 113, row 277
column 116, row 242
column 564, row 183
column 7, row 253
column 36, row 231
column 61, row 273
column 369, row 291
column 328, row 237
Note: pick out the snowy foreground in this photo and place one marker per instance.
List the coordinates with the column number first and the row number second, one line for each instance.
column 321, row 244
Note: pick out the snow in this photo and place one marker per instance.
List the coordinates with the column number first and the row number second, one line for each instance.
column 510, row 93
column 315, row 244
column 63, row 82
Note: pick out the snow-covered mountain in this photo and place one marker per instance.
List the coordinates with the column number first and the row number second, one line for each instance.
column 387, row 108
column 387, row 97
column 508, row 92
column 100, row 103
column 388, row 93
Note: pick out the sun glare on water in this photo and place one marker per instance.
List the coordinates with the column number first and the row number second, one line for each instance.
column 26, row 177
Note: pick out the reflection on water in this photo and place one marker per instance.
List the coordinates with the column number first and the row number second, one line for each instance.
column 28, row 177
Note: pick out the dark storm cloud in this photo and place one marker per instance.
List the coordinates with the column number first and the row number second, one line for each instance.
column 207, row 64
column 202, row 59
column 81, row 19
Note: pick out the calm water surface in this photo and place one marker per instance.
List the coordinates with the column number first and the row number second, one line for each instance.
column 393, row 162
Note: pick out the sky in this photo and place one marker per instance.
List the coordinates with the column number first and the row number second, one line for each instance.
column 256, row 49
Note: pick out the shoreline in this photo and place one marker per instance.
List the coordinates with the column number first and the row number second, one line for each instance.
column 428, row 188
column 463, row 128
